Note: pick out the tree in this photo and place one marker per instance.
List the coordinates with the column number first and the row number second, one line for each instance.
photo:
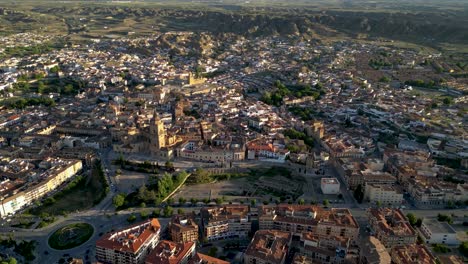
column 326, row 203
column 213, row 252
column 142, row 193
column 301, row 201
column 156, row 212
column 411, row 219
column 378, row 203
column 194, row 201
column 359, row 193
column 131, row 219
column 253, row 202
column 41, row 87
column 54, row 69
column 169, row 165
column 180, row 211
column 168, row 211
column 144, row 214
column 219, row 200
column 119, row 200
column 464, row 248
column 182, row 200
column 444, row 218
column 419, row 222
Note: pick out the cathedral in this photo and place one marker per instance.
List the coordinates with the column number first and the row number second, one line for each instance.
column 152, row 139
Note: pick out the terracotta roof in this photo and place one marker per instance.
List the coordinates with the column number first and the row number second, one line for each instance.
column 269, row 245
column 132, row 238
column 412, row 254
column 205, row 259
column 168, row 252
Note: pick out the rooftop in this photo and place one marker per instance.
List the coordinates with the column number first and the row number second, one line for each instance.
column 438, row 227
column 269, row 245
column 132, row 238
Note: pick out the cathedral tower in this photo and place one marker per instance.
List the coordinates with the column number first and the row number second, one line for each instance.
column 157, row 133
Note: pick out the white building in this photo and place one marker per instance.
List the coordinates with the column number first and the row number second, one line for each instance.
column 60, row 171
column 436, row 232
column 386, row 194
column 330, row 185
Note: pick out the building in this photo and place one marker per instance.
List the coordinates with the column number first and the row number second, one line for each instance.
column 168, row 252
column 289, row 218
column 308, row 218
column 412, row 254
column 338, row 222
column 373, row 252
column 183, row 229
column 130, row 245
column 452, row 259
column 391, row 227
column 324, row 249
column 205, row 259
column 330, row 185
column 384, row 194
column 230, row 221
column 17, row 196
column 268, row 247
column 436, row 232
column 157, row 133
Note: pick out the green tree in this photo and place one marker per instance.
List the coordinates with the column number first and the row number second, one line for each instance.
column 411, row 219
column 156, row 212
column 326, row 203
column 118, row 200
column 168, row 211
column 182, row 200
column 41, row 87
column 213, row 252
column 169, row 165
column 444, row 218
column 131, row 219
column 54, row 69
column 253, row 202
column 180, row 211
column 464, row 248
column 359, row 193
column 144, row 214
column 301, row 201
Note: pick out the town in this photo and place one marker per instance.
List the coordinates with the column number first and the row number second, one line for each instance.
column 185, row 147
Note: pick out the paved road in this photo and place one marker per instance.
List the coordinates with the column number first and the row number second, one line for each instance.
column 104, row 219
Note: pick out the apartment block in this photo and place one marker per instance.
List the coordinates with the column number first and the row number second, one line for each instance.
column 307, row 218
column 436, row 232
column 391, row 227
column 412, row 254
column 230, row 221
column 130, row 245
column 168, row 252
column 385, row 194
column 183, row 228
column 268, row 247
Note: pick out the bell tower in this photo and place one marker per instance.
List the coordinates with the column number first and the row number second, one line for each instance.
column 157, row 133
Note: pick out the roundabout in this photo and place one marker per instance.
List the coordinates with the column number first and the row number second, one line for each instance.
column 71, row 236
